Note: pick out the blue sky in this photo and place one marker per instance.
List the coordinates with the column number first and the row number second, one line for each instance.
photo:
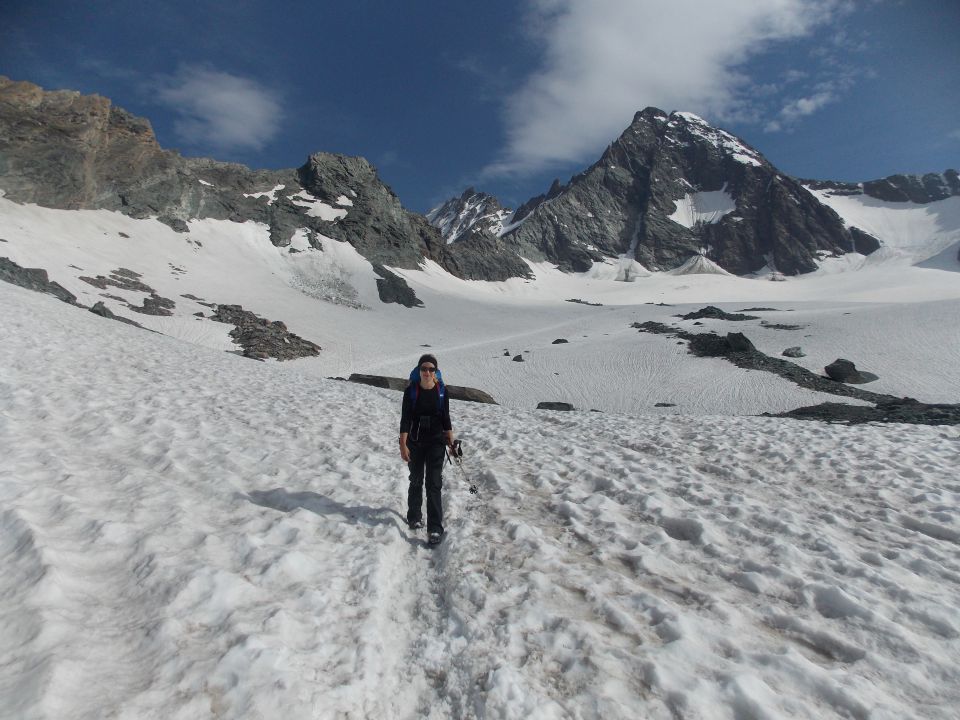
column 506, row 96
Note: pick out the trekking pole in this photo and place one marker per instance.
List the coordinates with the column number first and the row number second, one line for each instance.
column 455, row 457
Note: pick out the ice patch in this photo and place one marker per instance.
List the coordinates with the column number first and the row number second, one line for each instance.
column 703, row 208
column 271, row 194
column 317, row 208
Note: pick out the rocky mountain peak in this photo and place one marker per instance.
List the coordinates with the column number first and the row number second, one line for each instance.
column 673, row 186
column 471, row 212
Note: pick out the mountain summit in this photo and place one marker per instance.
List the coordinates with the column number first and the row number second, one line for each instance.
column 458, row 217
column 671, row 187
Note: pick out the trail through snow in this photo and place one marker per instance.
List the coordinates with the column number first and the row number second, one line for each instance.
column 187, row 534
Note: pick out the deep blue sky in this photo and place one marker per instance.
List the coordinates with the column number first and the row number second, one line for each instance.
column 508, row 95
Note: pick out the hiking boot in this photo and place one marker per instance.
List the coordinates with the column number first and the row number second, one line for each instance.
column 435, row 538
column 415, row 524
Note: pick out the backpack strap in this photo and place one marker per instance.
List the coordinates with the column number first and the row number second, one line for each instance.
column 441, row 394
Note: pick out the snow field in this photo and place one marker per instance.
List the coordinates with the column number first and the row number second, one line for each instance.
column 186, row 533
column 903, row 324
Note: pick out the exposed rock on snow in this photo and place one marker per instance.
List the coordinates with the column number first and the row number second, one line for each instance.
column 154, row 305
column 262, row 339
column 738, row 349
column 902, row 410
column 455, row 392
column 394, row 289
column 550, row 405
column 105, row 312
column 33, row 279
column 846, row 372
column 715, row 313
column 794, row 352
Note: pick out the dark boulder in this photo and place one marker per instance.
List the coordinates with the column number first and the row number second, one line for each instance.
column 846, row 372
column 518, row 358
column 562, row 406
column 738, row 342
column 794, row 352
column 559, row 341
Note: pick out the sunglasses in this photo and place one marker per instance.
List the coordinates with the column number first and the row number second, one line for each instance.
column 427, row 369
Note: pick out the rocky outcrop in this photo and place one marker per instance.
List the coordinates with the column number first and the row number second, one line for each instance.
column 34, row 279
column 454, row 392
column 394, row 289
column 554, row 405
column 262, row 339
column 715, row 313
column 894, row 410
column 66, row 150
column 919, row 189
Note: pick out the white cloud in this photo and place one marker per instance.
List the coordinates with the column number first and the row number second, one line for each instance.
column 605, row 59
column 801, row 107
column 220, row 110
column 955, row 134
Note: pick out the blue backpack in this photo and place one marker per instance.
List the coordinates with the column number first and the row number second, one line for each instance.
column 415, row 388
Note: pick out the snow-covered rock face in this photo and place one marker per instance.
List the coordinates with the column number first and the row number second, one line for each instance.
column 473, row 210
column 70, row 151
column 670, row 185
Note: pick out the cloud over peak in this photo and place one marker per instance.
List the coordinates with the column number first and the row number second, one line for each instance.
column 605, row 59
column 219, row 109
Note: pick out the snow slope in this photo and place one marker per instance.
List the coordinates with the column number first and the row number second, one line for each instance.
column 896, row 320
column 908, row 231
column 188, row 534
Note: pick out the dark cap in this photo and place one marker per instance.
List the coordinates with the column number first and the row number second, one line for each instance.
column 428, row 358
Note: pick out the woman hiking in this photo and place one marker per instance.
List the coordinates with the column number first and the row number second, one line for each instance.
column 425, row 429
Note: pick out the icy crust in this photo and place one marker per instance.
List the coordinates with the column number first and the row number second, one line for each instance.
column 174, row 546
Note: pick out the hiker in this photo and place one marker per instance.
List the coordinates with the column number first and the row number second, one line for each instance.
column 424, row 431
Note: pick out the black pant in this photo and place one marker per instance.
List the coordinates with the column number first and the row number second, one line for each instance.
column 427, row 457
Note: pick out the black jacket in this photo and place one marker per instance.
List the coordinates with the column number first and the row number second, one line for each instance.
column 425, row 420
